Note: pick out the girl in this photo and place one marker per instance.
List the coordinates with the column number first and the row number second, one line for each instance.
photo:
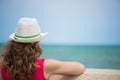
column 21, row 56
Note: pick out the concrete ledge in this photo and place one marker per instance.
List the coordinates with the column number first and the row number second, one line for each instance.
column 92, row 74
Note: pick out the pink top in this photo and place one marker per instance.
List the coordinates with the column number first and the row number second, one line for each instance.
column 39, row 72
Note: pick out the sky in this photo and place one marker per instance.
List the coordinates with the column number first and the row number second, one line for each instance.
column 84, row 22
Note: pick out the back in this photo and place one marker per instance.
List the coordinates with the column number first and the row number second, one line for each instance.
column 38, row 75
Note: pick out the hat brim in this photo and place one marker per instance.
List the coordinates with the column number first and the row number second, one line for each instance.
column 42, row 35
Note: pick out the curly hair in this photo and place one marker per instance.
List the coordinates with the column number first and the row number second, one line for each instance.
column 19, row 59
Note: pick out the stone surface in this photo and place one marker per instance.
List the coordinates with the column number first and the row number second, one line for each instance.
column 92, row 74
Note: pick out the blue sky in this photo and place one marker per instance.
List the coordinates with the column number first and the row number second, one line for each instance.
column 86, row 22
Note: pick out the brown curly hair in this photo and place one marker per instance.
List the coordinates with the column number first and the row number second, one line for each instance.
column 19, row 59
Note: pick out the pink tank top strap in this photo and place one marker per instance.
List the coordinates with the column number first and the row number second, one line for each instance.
column 39, row 71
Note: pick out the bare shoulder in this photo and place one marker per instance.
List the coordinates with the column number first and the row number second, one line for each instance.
column 51, row 64
column 49, row 67
column 48, row 62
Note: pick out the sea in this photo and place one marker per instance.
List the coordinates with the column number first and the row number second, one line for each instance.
column 92, row 56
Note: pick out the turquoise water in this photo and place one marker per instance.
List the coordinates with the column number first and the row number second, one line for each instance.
column 91, row 56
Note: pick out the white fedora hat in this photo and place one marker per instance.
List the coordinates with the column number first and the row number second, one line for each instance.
column 27, row 31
